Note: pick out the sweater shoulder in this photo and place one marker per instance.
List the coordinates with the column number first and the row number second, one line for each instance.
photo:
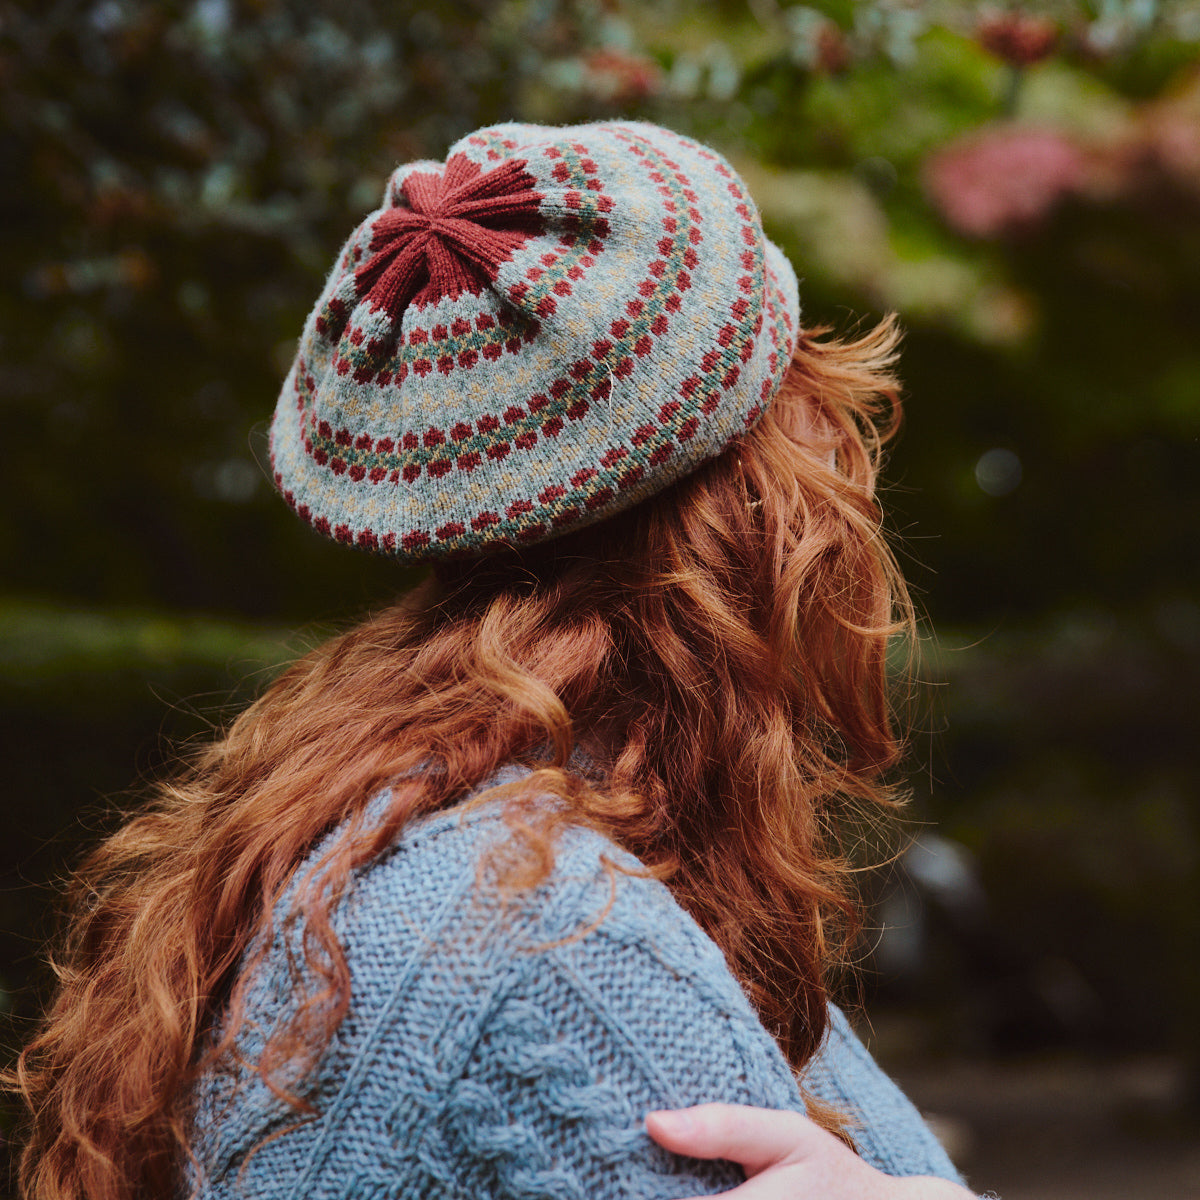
column 567, row 1009
column 444, row 883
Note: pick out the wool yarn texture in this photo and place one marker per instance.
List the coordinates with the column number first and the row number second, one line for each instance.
column 508, row 1048
column 547, row 328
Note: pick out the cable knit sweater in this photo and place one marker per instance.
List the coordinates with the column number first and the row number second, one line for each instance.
column 508, row 1050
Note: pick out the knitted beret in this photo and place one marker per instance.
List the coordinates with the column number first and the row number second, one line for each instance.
column 546, row 329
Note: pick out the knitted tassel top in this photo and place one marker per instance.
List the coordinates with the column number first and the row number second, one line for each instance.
column 509, row 1049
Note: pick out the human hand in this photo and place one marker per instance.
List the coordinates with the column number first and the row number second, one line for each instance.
column 786, row 1156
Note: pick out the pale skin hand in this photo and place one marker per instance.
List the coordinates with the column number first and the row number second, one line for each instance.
column 786, row 1157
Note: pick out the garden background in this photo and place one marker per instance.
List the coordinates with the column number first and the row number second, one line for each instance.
column 1021, row 184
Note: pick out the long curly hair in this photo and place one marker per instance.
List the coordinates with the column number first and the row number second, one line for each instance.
column 719, row 653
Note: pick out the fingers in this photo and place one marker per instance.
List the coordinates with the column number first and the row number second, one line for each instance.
column 756, row 1138
column 785, row 1156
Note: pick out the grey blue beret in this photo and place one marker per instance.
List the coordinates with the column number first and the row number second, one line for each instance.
column 545, row 329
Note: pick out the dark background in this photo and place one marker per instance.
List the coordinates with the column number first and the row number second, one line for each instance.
column 1022, row 185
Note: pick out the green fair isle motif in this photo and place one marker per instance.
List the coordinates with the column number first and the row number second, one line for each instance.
column 461, row 345
column 569, row 398
column 491, row 141
column 623, row 467
column 444, row 348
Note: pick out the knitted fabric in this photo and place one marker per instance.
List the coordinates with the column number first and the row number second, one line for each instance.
column 509, row 1050
column 547, row 328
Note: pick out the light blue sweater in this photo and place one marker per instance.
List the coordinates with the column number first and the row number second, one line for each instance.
column 509, row 1051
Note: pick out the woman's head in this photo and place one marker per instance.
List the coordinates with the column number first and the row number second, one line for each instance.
column 543, row 365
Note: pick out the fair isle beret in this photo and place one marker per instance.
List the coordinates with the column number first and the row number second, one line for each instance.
column 546, row 329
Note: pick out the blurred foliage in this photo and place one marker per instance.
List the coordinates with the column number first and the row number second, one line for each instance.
column 53, row 646
column 1068, row 771
column 1022, row 184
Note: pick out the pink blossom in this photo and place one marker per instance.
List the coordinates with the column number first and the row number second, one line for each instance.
column 1004, row 178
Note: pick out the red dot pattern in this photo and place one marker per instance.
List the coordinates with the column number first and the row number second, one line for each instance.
column 404, row 458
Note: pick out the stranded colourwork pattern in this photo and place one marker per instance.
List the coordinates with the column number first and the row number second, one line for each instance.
column 546, row 329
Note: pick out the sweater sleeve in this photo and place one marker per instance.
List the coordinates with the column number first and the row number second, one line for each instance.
column 627, row 1008
column 888, row 1131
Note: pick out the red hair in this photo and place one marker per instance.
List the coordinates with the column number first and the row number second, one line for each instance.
column 720, row 654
